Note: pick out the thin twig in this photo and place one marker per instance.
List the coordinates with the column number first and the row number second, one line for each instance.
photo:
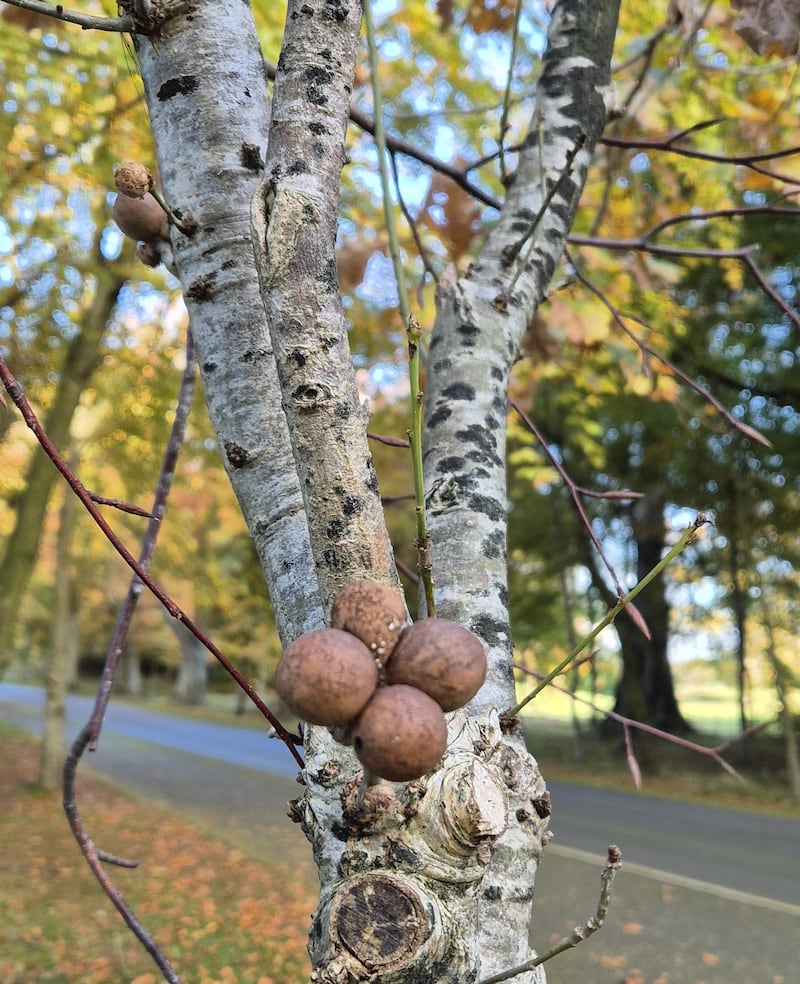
column 575, row 493
column 126, row 507
column 580, row 933
column 15, row 391
column 117, row 25
column 685, row 538
column 715, row 753
column 94, row 860
column 394, row 442
column 647, row 350
column 163, row 487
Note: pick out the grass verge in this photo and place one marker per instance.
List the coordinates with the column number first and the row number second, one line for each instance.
column 221, row 917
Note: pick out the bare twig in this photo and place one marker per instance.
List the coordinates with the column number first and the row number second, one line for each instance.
column 580, row 933
column 117, row 25
column 647, row 350
column 163, row 487
column 686, row 537
column 395, row 442
column 126, row 507
column 15, row 391
column 575, row 492
column 94, row 859
column 715, row 753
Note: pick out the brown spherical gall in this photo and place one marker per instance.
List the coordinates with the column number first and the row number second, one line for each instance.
column 326, row 677
column 445, row 660
column 375, row 613
column 142, row 219
column 133, row 179
column 401, row 734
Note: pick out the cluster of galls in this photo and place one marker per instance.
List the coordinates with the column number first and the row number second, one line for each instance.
column 379, row 684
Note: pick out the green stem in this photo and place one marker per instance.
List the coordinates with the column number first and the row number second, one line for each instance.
column 686, row 537
column 415, row 439
column 413, row 329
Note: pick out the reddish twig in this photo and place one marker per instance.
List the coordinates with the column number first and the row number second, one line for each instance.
column 715, row 753
column 15, row 391
column 94, row 859
column 126, row 507
column 163, row 487
column 575, row 493
column 647, row 350
column 394, row 442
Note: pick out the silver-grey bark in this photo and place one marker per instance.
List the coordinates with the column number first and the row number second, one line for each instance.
column 209, row 109
column 449, row 860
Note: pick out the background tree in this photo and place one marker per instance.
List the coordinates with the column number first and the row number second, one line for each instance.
column 271, row 329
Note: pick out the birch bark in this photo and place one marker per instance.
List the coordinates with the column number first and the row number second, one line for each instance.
column 430, row 881
column 209, row 109
column 475, row 341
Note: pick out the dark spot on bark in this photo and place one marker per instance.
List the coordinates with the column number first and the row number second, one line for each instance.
column 479, row 436
column 486, row 505
column 459, row 391
column 318, row 129
column 499, row 404
column 468, row 332
column 228, row 265
column 452, row 463
column 329, row 276
column 494, row 545
column 209, row 366
column 340, row 831
column 335, row 529
column 404, row 856
column 201, row 289
column 251, row 157
column 496, row 373
column 491, row 630
column 342, row 410
column 308, row 212
column 439, row 415
column 502, row 594
column 320, row 150
column 327, row 343
column 481, row 457
column 307, row 10
column 442, row 365
column 247, row 92
column 180, row 86
column 236, row 454
column 299, row 358
column 336, row 10
column 298, row 167
column 333, row 559
column 493, row 893
column 519, row 226
column 372, row 478
column 352, row 505
column 252, row 355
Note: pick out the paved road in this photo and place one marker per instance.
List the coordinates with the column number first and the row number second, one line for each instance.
column 708, row 895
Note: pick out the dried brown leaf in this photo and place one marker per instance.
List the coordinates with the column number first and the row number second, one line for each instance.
column 769, row 26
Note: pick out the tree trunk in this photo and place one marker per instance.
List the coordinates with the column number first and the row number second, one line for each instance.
column 82, row 358
column 190, row 684
column 63, row 624
column 451, row 858
column 645, row 690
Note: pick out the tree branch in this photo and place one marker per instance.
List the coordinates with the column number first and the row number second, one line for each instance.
column 295, row 217
column 16, row 393
column 87, row 22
